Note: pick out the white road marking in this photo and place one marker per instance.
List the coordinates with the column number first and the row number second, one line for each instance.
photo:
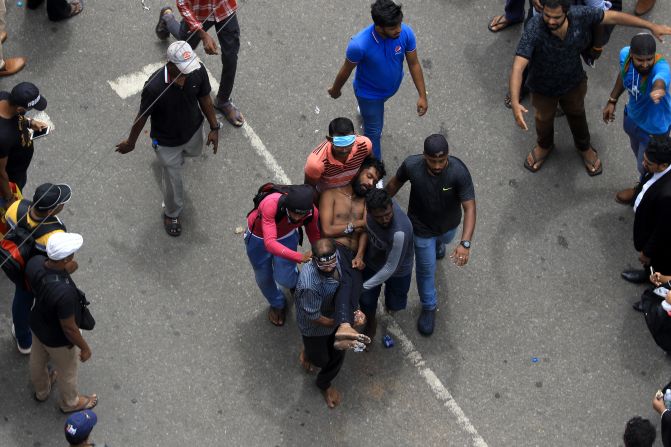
column 439, row 390
column 129, row 85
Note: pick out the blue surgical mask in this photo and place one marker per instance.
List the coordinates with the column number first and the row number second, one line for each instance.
column 344, row 140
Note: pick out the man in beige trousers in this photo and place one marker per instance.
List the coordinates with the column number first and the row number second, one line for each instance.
column 55, row 321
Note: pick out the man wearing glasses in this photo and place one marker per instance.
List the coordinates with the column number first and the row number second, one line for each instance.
column 316, row 291
column 272, row 239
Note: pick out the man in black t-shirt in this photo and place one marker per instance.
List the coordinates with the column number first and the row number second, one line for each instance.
column 551, row 45
column 176, row 97
column 16, row 147
column 55, row 319
column 440, row 187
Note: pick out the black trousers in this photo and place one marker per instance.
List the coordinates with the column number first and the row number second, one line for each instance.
column 56, row 9
column 349, row 291
column 228, row 33
column 321, row 353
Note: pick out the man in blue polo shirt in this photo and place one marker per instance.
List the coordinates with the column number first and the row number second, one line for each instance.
column 645, row 75
column 377, row 52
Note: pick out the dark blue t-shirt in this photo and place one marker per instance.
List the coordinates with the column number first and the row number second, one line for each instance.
column 555, row 67
column 379, row 60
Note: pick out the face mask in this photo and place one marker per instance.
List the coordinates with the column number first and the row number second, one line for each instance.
column 343, row 140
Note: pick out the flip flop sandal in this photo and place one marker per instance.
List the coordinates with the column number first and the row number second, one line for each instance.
column 172, row 225
column 75, row 11
column 91, row 401
column 591, row 164
column 502, row 22
column 536, row 161
column 232, row 114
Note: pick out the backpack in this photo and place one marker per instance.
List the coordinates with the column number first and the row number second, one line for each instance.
column 18, row 245
column 264, row 191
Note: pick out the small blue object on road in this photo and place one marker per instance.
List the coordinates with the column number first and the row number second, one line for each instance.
column 534, row 359
column 387, row 341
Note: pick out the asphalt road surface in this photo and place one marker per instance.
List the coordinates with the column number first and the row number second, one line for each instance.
column 183, row 353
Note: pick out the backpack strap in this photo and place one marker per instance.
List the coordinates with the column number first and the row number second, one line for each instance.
column 48, row 227
column 22, row 214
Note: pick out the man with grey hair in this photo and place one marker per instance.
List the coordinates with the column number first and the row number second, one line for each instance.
column 176, row 96
column 55, row 320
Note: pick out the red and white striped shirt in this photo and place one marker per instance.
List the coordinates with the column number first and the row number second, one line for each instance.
column 195, row 12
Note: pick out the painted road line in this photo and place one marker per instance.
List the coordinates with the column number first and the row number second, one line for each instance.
column 131, row 84
column 439, row 390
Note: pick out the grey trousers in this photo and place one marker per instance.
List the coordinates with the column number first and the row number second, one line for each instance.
column 172, row 162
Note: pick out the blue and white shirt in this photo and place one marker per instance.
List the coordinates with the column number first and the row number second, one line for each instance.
column 314, row 297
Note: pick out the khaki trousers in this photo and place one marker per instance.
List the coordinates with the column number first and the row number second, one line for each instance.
column 65, row 361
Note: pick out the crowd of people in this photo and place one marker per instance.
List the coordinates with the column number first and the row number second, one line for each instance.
column 361, row 239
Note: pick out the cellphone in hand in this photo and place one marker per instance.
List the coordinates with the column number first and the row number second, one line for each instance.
column 40, row 133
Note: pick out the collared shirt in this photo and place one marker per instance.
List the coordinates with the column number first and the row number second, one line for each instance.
column 555, row 67
column 379, row 61
column 325, row 172
column 654, row 119
column 315, row 297
column 194, row 12
column 174, row 110
column 656, row 176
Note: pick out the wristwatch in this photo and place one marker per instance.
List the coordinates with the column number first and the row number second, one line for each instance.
column 466, row 244
column 218, row 126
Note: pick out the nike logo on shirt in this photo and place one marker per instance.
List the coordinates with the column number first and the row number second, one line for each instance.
column 447, row 189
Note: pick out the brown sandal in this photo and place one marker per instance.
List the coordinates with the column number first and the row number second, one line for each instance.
column 590, row 165
column 536, row 160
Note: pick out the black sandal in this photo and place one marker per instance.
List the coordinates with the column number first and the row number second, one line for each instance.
column 172, row 225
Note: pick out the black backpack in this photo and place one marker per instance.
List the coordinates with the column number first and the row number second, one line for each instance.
column 18, row 245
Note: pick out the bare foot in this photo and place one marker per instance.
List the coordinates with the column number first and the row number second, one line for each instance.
column 354, row 345
column 332, row 397
column 347, row 332
column 305, row 363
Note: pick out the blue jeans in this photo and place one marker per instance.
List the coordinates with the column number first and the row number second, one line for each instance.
column 372, row 112
column 271, row 270
column 23, row 301
column 638, row 139
column 395, row 293
column 425, row 257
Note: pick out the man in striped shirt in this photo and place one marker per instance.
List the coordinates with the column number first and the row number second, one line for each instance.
column 336, row 161
column 198, row 17
column 318, row 284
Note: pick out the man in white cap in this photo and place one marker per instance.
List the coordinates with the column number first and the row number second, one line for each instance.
column 176, row 97
column 55, row 320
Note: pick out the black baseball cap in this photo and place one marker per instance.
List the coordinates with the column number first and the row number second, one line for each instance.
column 27, row 95
column 48, row 196
column 436, row 145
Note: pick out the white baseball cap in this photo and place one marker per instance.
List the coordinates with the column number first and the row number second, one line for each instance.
column 182, row 55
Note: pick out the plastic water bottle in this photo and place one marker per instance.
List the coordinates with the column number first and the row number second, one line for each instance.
column 667, row 399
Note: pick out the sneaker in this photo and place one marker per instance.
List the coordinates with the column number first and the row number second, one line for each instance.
column 426, row 322
column 24, row 351
column 440, row 250
column 161, row 28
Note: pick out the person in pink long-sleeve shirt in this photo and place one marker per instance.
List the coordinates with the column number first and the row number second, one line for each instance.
column 272, row 240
